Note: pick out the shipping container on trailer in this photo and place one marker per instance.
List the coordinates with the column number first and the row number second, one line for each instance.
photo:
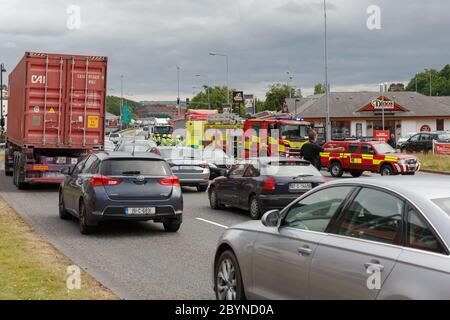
column 56, row 114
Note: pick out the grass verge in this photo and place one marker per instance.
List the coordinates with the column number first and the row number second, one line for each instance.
column 434, row 162
column 32, row 269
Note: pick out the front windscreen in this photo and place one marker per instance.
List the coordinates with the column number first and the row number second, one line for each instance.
column 162, row 130
column 383, row 148
column 294, row 132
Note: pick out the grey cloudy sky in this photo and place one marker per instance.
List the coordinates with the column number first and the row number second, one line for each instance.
column 146, row 40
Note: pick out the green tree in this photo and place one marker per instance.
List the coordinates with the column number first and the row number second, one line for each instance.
column 217, row 96
column 113, row 104
column 440, row 82
column 277, row 95
column 319, row 88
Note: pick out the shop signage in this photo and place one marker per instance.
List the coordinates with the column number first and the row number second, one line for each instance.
column 381, row 135
column 425, row 128
column 442, row 148
column 382, row 103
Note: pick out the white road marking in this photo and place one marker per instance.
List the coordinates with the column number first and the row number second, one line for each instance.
column 212, row 222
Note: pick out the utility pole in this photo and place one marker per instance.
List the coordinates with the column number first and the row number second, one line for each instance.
column 178, row 89
column 327, row 87
column 2, row 119
column 121, row 100
column 430, row 82
column 290, row 77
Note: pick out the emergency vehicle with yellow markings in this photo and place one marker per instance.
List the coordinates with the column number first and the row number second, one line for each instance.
column 374, row 156
column 284, row 134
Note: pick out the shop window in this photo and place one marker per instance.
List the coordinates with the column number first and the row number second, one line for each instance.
column 440, row 124
column 340, row 130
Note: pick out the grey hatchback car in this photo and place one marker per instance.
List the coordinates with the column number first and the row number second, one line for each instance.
column 380, row 238
column 118, row 186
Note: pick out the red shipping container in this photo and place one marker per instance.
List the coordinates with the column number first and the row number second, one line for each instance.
column 57, row 101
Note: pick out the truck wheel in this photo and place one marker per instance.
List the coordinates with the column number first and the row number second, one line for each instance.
column 18, row 176
column 336, row 169
column 386, row 170
column 8, row 169
column 356, row 173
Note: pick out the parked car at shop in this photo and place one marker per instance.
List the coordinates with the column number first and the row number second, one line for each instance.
column 373, row 156
column 120, row 186
column 401, row 140
column 423, row 142
column 264, row 183
column 329, row 242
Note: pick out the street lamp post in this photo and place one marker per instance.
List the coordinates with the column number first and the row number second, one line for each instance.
column 290, row 77
column 296, row 100
column 2, row 120
column 228, row 86
column 327, row 87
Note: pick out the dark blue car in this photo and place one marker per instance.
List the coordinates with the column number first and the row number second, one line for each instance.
column 264, row 184
column 120, row 186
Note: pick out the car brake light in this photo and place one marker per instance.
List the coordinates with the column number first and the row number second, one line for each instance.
column 102, row 181
column 170, row 181
column 269, row 185
column 204, row 165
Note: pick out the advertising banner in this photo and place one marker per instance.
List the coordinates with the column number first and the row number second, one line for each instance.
column 442, row 148
column 381, row 135
column 249, row 104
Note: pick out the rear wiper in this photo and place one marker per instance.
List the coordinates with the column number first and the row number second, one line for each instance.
column 131, row 172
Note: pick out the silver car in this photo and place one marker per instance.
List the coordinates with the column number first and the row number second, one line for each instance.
column 380, row 238
column 186, row 165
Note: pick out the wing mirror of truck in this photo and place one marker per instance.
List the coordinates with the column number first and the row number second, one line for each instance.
column 271, row 219
column 66, row 171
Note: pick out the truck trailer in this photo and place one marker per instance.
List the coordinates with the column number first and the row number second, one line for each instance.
column 56, row 114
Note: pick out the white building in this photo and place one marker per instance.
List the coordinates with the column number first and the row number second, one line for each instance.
column 359, row 114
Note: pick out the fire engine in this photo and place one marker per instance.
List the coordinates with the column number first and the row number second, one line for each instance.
column 374, row 156
column 284, row 134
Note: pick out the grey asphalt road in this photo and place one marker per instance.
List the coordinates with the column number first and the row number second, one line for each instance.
column 136, row 260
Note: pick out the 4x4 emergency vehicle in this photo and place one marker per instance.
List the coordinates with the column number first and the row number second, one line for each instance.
column 374, row 156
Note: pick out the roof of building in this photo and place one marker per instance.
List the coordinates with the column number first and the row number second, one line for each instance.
column 348, row 104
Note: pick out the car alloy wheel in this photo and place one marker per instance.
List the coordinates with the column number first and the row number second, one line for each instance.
column 226, row 281
column 255, row 210
column 84, row 227
column 336, row 170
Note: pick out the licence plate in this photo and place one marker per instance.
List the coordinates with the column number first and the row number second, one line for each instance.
column 300, row 186
column 55, row 175
column 140, row 211
column 190, row 168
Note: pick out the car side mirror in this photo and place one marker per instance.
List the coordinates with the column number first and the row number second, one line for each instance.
column 66, row 171
column 271, row 219
column 224, row 172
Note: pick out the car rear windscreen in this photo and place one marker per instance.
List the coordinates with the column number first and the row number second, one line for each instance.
column 444, row 204
column 290, row 169
column 119, row 167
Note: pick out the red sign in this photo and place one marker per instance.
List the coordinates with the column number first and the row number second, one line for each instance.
column 442, row 148
column 425, row 128
column 382, row 135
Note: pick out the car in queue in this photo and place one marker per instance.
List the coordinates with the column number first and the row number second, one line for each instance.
column 187, row 166
column 375, row 238
column 373, row 156
column 264, row 183
column 109, row 146
column 135, row 146
column 115, row 137
column 218, row 161
column 120, row 186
